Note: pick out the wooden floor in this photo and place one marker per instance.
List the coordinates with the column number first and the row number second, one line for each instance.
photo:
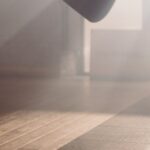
column 129, row 130
column 46, row 114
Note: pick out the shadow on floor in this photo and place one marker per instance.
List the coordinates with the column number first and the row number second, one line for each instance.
column 73, row 95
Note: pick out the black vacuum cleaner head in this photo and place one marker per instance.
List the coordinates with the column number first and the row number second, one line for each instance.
column 93, row 10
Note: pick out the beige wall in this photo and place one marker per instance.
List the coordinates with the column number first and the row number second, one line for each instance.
column 122, row 53
column 34, row 36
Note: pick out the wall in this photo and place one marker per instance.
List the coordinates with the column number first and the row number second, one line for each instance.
column 33, row 37
column 123, row 53
column 75, row 40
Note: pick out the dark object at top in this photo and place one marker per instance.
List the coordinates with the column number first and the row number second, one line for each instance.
column 93, row 10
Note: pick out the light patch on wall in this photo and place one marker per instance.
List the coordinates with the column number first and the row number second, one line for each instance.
column 125, row 15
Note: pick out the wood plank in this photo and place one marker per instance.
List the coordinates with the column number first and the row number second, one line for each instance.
column 85, row 125
column 127, row 130
column 64, row 100
column 42, row 120
column 32, row 112
column 51, row 127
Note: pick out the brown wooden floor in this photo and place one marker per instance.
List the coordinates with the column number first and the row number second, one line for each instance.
column 129, row 130
column 45, row 114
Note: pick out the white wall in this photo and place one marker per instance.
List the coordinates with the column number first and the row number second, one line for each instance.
column 75, row 33
column 33, row 35
column 124, row 15
column 122, row 53
column 15, row 15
